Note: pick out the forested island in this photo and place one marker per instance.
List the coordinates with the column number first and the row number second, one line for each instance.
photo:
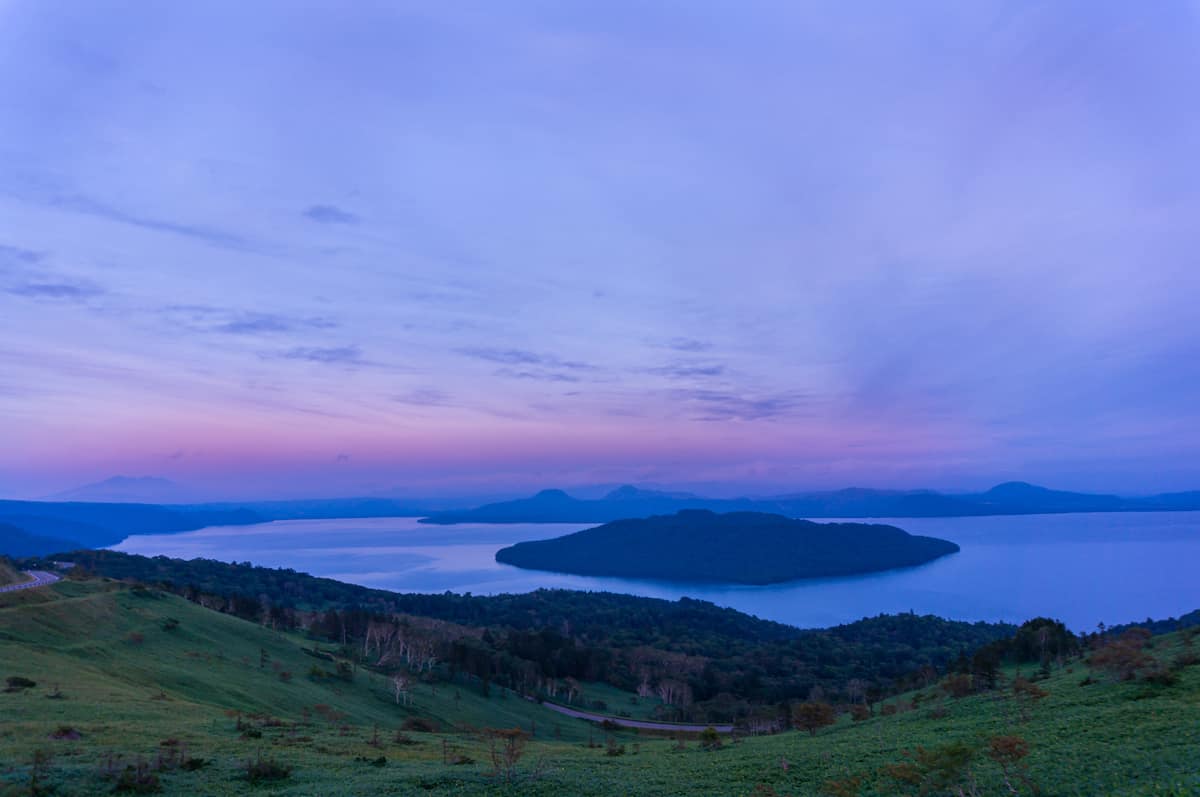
column 737, row 547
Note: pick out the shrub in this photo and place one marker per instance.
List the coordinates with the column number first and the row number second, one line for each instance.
column 419, row 725
column 169, row 624
column 137, row 779
column 813, row 716
column 16, row 683
column 848, row 787
column 1009, row 752
column 710, row 739
column 506, row 746
column 380, row 761
column 938, row 770
column 262, row 770
column 1160, row 676
column 957, row 686
column 612, row 748
column 859, row 712
column 1024, row 688
column 1124, row 657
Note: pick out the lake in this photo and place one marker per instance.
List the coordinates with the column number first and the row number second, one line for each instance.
column 1080, row 568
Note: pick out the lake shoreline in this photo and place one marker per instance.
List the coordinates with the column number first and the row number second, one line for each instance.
column 1072, row 566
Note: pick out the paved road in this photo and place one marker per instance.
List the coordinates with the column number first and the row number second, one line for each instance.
column 628, row 723
column 40, row 579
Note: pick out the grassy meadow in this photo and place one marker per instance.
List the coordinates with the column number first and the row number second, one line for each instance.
column 135, row 691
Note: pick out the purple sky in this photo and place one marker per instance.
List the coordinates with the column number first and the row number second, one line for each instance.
column 316, row 248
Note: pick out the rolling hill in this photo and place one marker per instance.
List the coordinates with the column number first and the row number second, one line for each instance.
column 119, row 688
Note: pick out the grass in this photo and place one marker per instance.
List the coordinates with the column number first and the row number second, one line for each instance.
column 117, row 687
column 616, row 702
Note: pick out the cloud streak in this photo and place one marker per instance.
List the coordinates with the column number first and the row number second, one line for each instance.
column 69, row 291
column 223, row 239
column 333, row 355
column 330, row 214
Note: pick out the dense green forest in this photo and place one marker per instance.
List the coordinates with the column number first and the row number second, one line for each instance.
column 738, row 547
column 717, row 664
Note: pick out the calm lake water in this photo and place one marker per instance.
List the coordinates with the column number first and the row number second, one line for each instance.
column 1082, row 568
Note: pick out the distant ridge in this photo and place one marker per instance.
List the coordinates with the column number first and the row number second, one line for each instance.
column 1010, row 498
column 739, row 547
column 126, row 490
column 97, row 525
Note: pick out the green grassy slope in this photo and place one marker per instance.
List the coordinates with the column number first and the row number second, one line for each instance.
column 128, row 683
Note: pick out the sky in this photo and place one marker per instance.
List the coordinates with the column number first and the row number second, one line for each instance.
column 289, row 249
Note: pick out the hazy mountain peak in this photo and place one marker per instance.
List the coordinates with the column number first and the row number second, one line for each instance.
column 1016, row 488
column 627, row 492
column 551, row 495
column 125, row 489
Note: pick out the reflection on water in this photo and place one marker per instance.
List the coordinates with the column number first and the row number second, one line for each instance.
column 1083, row 568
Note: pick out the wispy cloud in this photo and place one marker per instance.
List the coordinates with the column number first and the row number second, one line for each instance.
column 259, row 323
column 687, row 370
column 539, row 376
column 16, row 255
column 204, row 318
column 67, row 291
column 688, row 345
column 425, row 397
column 522, row 357
column 718, row 405
column 336, row 355
column 330, row 214
column 209, row 235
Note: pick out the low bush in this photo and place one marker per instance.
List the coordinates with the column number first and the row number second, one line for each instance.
column 263, row 770
column 709, row 739
column 137, row 779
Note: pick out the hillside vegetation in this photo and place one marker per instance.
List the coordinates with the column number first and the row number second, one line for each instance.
column 726, row 666
column 739, row 547
column 113, row 688
column 9, row 574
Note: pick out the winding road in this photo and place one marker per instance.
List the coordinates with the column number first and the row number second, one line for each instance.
column 40, row 578
column 628, row 723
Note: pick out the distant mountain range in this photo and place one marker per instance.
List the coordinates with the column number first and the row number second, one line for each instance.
column 1010, row 498
column 43, row 527
column 739, row 547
